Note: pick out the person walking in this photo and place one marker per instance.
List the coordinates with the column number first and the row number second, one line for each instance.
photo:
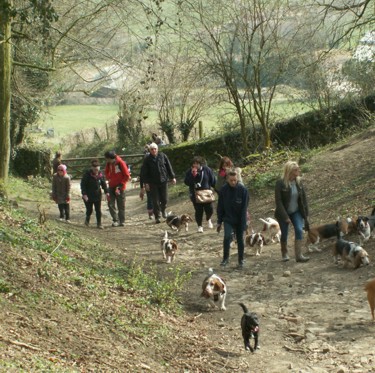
column 156, row 171
column 92, row 184
column 232, row 211
column 61, row 185
column 291, row 207
column 143, row 191
column 200, row 177
column 225, row 166
column 57, row 161
column 117, row 174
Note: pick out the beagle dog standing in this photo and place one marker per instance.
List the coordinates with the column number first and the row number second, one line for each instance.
column 271, row 226
column 316, row 234
column 176, row 222
column 256, row 241
column 169, row 248
column 214, row 289
column 350, row 252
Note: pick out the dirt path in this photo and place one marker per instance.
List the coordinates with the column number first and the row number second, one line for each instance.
column 314, row 316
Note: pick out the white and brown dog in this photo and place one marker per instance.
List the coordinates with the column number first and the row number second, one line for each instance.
column 256, row 241
column 169, row 248
column 315, row 235
column 214, row 289
column 135, row 181
column 349, row 252
column 363, row 229
column 271, row 226
column 176, row 222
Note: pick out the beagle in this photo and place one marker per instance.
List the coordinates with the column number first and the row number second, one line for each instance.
column 177, row 222
column 255, row 240
column 272, row 227
column 214, row 289
column 169, row 248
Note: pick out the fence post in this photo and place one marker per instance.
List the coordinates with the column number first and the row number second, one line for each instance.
column 200, row 124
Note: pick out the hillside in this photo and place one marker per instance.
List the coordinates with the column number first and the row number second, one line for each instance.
column 314, row 316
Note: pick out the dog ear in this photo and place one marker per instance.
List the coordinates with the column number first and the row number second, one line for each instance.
column 219, row 286
column 174, row 245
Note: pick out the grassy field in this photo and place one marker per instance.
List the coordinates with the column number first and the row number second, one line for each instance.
column 66, row 119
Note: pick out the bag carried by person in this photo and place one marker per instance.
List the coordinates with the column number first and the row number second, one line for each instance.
column 204, row 195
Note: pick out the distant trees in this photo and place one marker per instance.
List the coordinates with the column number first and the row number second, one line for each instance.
column 248, row 45
column 15, row 20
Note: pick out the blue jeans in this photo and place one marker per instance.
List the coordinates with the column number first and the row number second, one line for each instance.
column 297, row 221
column 228, row 230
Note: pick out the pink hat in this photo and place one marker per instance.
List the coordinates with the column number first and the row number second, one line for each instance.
column 61, row 167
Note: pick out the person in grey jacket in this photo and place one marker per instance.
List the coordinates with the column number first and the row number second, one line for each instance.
column 156, row 171
column 232, row 211
column 291, row 207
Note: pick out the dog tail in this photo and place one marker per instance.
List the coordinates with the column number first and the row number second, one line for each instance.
column 210, row 271
column 166, row 235
column 264, row 221
column 245, row 310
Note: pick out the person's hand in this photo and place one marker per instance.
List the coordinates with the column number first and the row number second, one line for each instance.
column 108, row 197
column 142, row 193
column 218, row 228
column 67, row 199
column 147, row 187
column 85, row 198
column 174, row 181
column 118, row 191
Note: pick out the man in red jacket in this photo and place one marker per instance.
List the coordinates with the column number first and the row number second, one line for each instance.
column 117, row 174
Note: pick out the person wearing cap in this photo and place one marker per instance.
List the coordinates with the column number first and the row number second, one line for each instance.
column 156, row 171
column 61, row 185
column 92, row 184
column 117, row 174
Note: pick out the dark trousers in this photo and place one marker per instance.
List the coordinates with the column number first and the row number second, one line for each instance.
column 199, row 209
column 149, row 201
column 228, row 231
column 98, row 210
column 64, row 209
column 159, row 197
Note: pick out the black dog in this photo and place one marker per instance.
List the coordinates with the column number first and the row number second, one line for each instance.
column 250, row 328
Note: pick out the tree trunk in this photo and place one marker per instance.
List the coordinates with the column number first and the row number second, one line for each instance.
column 5, row 91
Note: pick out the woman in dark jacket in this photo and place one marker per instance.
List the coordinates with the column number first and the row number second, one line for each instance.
column 291, row 207
column 200, row 177
column 92, row 183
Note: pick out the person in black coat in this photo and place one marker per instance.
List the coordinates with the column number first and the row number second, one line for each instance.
column 156, row 171
column 200, row 177
column 232, row 211
column 92, row 184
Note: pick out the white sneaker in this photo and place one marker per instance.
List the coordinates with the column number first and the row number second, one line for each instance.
column 68, row 221
column 210, row 225
column 115, row 224
column 200, row 229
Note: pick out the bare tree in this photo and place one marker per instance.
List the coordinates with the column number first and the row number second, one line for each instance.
column 248, row 46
